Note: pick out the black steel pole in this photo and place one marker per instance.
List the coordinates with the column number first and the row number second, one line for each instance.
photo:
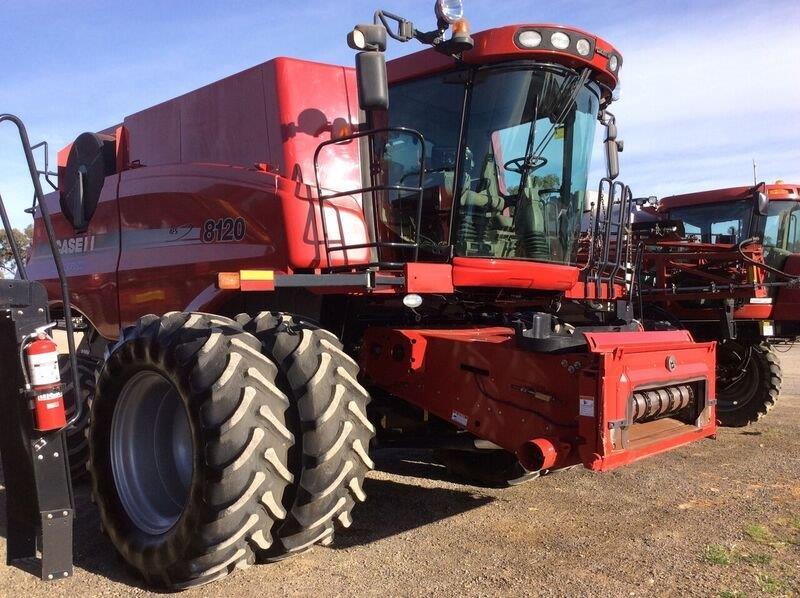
column 48, row 225
column 12, row 242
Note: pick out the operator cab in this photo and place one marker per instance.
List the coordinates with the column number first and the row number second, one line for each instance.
column 525, row 149
column 480, row 148
column 731, row 216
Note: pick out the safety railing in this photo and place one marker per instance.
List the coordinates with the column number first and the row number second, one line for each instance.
column 609, row 258
column 371, row 202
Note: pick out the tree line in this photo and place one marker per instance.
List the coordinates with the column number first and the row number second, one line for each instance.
column 24, row 238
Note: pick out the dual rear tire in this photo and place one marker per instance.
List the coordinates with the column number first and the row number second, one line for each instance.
column 76, row 434
column 201, row 448
column 330, row 409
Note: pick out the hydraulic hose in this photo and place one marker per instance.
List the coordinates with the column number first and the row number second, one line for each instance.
column 766, row 267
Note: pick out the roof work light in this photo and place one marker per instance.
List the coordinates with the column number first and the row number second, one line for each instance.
column 450, row 11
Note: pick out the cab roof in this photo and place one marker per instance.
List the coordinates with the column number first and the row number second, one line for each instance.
column 501, row 43
column 776, row 191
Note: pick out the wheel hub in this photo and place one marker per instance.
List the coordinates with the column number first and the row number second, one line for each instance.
column 151, row 452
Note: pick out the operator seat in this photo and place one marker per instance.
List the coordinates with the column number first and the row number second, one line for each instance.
column 489, row 196
column 530, row 222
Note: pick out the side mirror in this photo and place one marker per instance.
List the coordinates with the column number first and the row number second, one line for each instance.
column 613, row 148
column 372, row 81
column 91, row 159
column 761, row 202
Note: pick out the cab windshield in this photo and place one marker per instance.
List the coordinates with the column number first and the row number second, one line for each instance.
column 528, row 133
column 724, row 222
column 780, row 230
column 526, row 162
column 781, row 237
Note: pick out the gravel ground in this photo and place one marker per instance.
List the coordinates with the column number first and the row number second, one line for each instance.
column 716, row 518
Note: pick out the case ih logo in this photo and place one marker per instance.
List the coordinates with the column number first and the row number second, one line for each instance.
column 75, row 245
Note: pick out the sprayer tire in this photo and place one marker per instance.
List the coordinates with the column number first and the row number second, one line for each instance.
column 755, row 395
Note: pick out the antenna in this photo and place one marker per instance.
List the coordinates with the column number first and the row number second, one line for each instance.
column 755, row 173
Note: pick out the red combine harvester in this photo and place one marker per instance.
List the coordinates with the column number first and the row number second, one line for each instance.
column 724, row 264
column 319, row 237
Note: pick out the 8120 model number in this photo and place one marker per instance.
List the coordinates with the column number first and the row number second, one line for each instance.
column 223, row 230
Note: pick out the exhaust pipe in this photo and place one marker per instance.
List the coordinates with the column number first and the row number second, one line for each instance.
column 542, row 454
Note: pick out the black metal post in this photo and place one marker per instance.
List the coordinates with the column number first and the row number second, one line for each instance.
column 51, row 238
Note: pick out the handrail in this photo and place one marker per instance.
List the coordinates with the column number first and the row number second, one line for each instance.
column 377, row 243
column 600, row 268
column 62, row 278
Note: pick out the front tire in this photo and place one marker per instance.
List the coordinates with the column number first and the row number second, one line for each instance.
column 189, row 448
column 748, row 382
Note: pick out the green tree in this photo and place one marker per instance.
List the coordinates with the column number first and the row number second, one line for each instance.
column 24, row 238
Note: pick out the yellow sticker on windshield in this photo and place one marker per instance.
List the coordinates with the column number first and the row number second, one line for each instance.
column 559, row 133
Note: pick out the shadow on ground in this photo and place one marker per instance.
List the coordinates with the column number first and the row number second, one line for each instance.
column 393, row 507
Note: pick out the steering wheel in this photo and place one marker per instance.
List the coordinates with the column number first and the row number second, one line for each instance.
column 517, row 165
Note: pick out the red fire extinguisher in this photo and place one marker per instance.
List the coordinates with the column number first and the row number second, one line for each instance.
column 46, row 390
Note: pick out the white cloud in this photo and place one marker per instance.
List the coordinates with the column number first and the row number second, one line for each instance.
column 707, row 92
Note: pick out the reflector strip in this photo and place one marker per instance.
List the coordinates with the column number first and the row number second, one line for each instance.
column 257, row 280
column 257, row 275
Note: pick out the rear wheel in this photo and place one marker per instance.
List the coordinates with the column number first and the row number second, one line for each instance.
column 189, row 448
column 748, row 382
column 330, row 408
column 77, row 442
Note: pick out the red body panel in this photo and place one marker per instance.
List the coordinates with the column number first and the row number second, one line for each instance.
column 471, row 272
column 787, row 299
column 480, row 380
column 90, row 260
column 200, row 157
column 164, row 263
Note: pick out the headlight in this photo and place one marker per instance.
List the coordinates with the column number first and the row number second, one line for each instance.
column 583, row 47
column 450, row 11
column 560, row 40
column 613, row 63
column 529, row 39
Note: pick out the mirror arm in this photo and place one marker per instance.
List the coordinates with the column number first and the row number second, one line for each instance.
column 405, row 28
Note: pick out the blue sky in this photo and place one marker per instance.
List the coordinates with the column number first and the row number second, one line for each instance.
column 706, row 86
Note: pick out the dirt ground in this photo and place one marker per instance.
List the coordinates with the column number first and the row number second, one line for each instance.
column 717, row 518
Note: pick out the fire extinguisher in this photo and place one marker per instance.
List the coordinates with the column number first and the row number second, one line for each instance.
column 44, row 383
